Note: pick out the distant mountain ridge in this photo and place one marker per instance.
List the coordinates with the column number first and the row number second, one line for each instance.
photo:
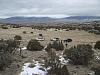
column 30, row 20
column 83, row 17
column 25, row 20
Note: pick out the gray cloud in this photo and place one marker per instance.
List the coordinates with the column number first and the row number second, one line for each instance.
column 49, row 7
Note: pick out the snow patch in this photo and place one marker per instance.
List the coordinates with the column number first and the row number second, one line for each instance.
column 63, row 61
column 26, row 70
column 24, row 48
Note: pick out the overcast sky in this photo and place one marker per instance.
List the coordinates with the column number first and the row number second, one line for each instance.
column 53, row 8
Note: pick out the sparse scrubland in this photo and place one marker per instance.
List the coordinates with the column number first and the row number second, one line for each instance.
column 65, row 50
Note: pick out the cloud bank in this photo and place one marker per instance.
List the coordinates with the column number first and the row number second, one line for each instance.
column 53, row 8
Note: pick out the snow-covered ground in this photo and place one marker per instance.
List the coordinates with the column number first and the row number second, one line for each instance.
column 24, row 48
column 38, row 68
column 26, row 70
column 63, row 61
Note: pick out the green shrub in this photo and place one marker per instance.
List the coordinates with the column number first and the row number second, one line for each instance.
column 64, row 70
column 58, row 70
column 68, row 40
column 4, row 27
column 5, row 55
column 16, row 26
column 54, row 62
column 5, row 60
column 9, row 45
column 31, row 65
column 57, row 45
column 24, row 32
column 80, row 54
column 31, row 32
column 34, row 45
column 17, row 37
column 7, row 49
column 97, row 45
column 98, row 33
column 48, row 48
column 97, row 71
column 12, row 45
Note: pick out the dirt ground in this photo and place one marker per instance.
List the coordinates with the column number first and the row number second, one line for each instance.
column 78, row 37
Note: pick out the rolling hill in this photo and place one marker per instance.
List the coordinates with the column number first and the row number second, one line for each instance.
column 30, row 20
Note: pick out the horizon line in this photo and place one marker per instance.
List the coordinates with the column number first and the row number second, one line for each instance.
column 49, row 16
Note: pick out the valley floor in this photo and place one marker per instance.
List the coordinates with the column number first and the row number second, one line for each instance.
column 78, row 37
